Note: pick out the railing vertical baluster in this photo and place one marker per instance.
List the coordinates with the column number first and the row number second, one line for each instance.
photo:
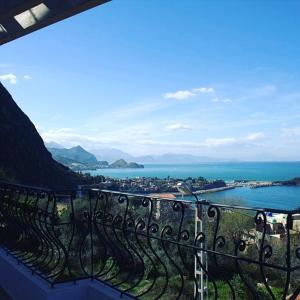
column 288, row 255
column 90, row 224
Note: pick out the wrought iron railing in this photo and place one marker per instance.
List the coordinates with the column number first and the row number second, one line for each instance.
column 153, row 248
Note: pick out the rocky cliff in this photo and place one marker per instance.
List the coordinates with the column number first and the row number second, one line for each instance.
column 23, row 155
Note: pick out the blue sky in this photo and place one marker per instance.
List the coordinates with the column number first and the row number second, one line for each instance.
column 213, row 78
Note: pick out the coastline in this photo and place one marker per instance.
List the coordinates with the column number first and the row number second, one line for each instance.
column 276, row 190
column 253, row 184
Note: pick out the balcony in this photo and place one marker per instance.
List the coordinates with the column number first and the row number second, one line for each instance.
column 137, row 247
column 21, row 17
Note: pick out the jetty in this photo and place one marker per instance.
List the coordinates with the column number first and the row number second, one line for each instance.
column 214, row 190
column 260, row 184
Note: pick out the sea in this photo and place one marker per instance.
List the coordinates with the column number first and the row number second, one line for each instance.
column 277, row 197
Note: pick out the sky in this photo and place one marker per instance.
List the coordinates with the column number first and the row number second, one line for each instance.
column 208, row 78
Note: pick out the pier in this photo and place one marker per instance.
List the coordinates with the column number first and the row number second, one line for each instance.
column 214, row 190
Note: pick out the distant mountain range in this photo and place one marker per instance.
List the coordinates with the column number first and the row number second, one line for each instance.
column 75, row 154
column 79, row 159
column 110, row 155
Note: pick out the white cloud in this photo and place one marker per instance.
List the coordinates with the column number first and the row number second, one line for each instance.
column 138, row 143
column 228, row 141
column 186, row 94
column 68, row 137
column 217, row 142
column 179, row 95
column 256, row 136
column 203, row 90
column 11, row 78
column 178, row 126
column 64, row 130
column 290, row 131
column 27, row 77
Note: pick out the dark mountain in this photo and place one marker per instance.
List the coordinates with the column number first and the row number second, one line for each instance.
column 77, row 158
column 122, row 164
column 77, row 154
column 23, row 155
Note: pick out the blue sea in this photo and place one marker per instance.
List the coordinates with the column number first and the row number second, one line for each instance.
column 225, row 170
column 281, row 197
column 276, row 197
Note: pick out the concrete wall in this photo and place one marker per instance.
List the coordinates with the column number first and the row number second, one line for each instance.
column 20, row 284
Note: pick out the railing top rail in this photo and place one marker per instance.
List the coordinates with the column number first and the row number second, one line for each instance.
column 23, row 186
column 250, row 208
column 142, row 196
column 34, row 188
column 208, row 203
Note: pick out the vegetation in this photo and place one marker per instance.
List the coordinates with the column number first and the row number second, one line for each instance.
column 5, row 177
